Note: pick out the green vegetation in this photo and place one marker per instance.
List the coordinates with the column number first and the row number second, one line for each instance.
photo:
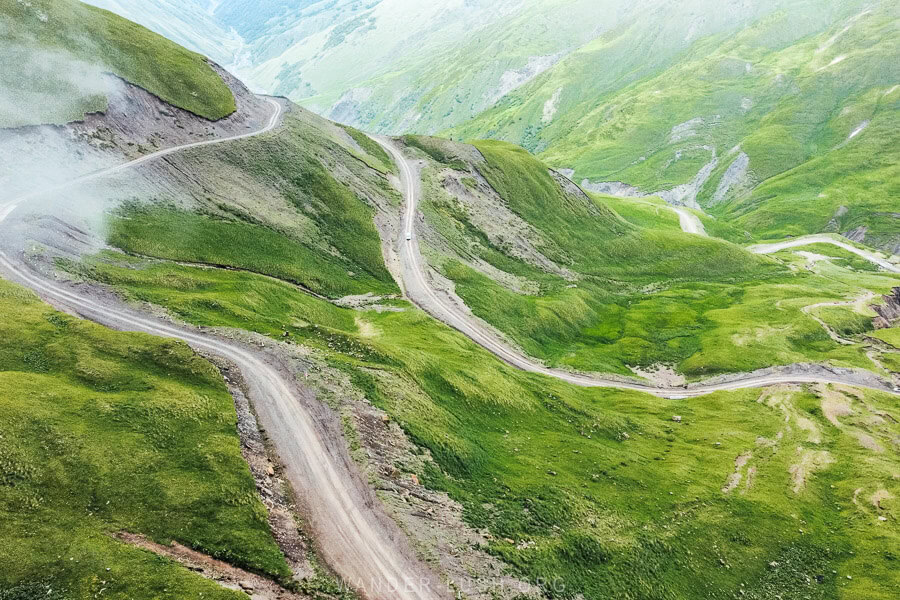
column 650, row 213
column 645, row 294
column 105, row 432
column 57, row 51
column 181, row 235
column 599, row 491
column 798, row 107
column 382, row 162
column 438, row 149
column 217, row 297
column 844, row 257
column 845, row 321
column 890, row 336
column 277, row 210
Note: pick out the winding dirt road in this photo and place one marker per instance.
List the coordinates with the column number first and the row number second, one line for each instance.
column 823, row 239
column 349, row 527
column 420, row 291
column 9, row 206
column 353, row 534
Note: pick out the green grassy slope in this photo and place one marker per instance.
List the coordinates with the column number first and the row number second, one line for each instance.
column 596, row 492
column 645, row 293
column 305, row 226
column 787, row 92
column 599, row 491
column 105, row 432
column 55, row 53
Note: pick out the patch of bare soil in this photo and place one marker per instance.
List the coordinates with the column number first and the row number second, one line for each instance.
column 809, row 426
column 868, row 442
column 808, row 462
column 257, row 587
column 751, row 477
column 368, row 301
column 735, row 478
column 660, row 375
column 834, row 404
column 879, row 497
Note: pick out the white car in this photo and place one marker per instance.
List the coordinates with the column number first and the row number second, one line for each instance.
column 408, row 236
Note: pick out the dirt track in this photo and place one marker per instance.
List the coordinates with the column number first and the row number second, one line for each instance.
column 8, row 207
column 421, row 292
column 352, row 532
column 354, row 535
column 823, row 239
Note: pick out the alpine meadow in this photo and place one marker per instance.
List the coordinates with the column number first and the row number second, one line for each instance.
column 397, row 300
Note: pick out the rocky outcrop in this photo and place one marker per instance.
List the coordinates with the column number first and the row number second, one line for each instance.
column 889, row 312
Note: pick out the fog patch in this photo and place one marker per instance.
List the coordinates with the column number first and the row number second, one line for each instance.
column 49, row 85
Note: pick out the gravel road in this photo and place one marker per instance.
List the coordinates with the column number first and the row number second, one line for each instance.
column 824, row 239
column 9, row 206
column 422, row 293
column 363, row 545
column 347, row 522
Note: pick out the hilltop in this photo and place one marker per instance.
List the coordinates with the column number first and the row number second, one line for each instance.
column 58, row 55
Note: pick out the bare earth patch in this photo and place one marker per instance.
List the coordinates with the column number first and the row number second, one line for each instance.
column 834, row 405
column 808, row 425
column 222, row 573
column 660, row 375
column 735, row 478
column 868, row 442
column 879, row 497
column 809, row 462
column 366, row 329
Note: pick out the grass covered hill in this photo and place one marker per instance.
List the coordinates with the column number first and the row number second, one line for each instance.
column 105, row 432
column 577, row 284
column 795, row 117
column 598, row 491
column 55, row 55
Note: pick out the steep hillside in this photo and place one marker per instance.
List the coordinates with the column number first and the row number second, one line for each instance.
column 100, row 435
column 57, row 55
column 595, row 492
column 572, row 282
column 765, row 113
column 279, row 249
column 784, row 128
column 393, row 65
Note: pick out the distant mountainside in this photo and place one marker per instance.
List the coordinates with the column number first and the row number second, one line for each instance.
column 785, row 127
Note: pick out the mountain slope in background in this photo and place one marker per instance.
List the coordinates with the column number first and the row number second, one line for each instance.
column 786, row 127
column 778, row 116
